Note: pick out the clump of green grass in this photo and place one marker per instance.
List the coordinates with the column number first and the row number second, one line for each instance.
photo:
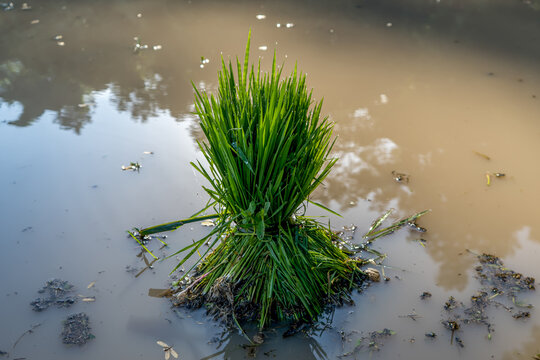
column 267, row 149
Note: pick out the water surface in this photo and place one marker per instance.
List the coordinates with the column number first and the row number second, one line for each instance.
column 419, row 87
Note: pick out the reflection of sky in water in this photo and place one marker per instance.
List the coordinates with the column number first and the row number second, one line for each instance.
column 367, row 157
column 10, row 111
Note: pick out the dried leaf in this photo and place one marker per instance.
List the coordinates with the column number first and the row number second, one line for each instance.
column 159, row 293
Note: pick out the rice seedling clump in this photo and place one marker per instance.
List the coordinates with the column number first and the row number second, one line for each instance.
column 267, row 149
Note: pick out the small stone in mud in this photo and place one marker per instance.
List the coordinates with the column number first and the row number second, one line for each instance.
column 425, row 295
column 522, row 315
column 373, row 274
column 76, row 330
column 258, row 338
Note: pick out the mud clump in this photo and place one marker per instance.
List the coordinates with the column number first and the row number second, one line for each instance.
column 501, row 280
column 76, row 330
column 223, row 304
column 56, row 292
column 498, row 283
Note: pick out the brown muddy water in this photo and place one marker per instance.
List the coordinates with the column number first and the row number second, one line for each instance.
column 417, row 87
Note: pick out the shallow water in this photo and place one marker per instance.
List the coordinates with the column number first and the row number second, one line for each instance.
column 417, row 87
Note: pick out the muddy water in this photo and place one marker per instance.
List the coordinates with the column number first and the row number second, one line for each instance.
column 417, row 87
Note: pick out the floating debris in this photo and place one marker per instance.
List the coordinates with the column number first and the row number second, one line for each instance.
column 482, row 155
column 263, row 48
column 384, row 99
column 425, row 295
column 289, row 25
column 492, row 272
column 496, row 280
column 260, row 17
column 138, row 46
column 157, row 47
column 148, row 152
column 204, row 61
column 422, row 242
column 451, row 304
column 278, row 25
column 168, row 350
column 488, row 177
column 135, row 166
column 82, row 106
column 499, row 175
column 60, row 43
column 388, row 24
column 413, row 315
column 431, row 335
column 7, row 6
column 373, row 342
column 400, row 177
column 139, row 15
column 57, row 294
column 91, row 285
column 459, row 342
column 34, row 22
column 76, row 330
column 25, row 7
column 58, row 37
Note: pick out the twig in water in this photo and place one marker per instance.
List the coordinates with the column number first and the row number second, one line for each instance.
column 29, row 331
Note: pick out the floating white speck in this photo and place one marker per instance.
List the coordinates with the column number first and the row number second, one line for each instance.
column 60, row 43
column 263, row 48
column 202, row 66
column 33, row 22
column 260, row 17
column 384, row 99
column 207, row 223
column 206, row 61
column 157, row 47
column 278, row 25
column 389, row 24
column 139, row 15
column 289, row 25
column 331, row 31
column 58, row 37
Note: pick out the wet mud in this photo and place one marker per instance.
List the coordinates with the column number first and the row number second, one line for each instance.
column 57, row 293
column 76, row 330
column 500, row 288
